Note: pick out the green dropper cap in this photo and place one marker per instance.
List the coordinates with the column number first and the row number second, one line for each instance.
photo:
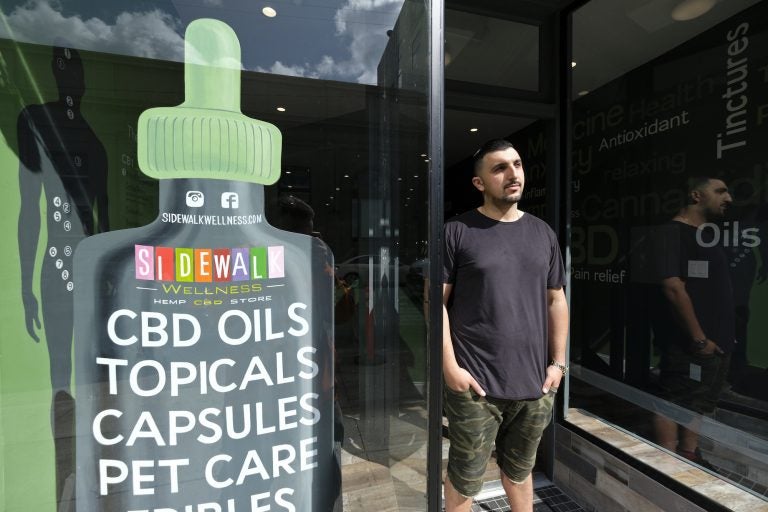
column 207, row 136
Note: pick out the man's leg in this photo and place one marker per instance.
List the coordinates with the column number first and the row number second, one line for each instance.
column 473, row 423
column 454, row 501
column 677, row 387
column 666, row 432
column 714, row 371
column 516, row 444
column 689, row 440
column 520, row 495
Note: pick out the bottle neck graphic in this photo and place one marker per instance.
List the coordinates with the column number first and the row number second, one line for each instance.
column 211, row 197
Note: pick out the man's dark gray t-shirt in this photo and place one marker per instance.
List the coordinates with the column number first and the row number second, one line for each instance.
column 500, row 272
column 689, row 253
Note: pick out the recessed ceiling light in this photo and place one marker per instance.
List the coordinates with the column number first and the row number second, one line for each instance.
column 346, row 175
column 281, row 109
column 287, row 172
column 473, row 129
column 573, row 63
column 423, row 155
column 269, row 12
column 415, row 175
column 691, row 9
column 337, row 188
column 583, row 93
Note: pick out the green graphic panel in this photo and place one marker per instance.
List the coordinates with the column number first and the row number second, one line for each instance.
column 26, row 447
column 99, row 138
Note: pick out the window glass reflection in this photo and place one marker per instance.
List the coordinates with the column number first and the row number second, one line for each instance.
column 345, row 83
column 347, row 38
column 491, row 51
column 668, row 229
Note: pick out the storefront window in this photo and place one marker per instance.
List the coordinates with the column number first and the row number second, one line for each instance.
column 669, row 227
column 294, row 379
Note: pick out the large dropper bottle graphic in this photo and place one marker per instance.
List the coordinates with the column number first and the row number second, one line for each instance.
column 207, row 136
column 204, row 371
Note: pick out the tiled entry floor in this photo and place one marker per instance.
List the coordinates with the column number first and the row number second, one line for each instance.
column 546, row 498
column 555, row 500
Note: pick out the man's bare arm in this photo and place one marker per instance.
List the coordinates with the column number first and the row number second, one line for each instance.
column 675, row 292
column 557, row 321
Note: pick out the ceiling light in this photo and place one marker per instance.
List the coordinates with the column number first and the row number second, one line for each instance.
column 415, row 175
column 269, row 12
column 691, row 9
column 346, row 175
column 423, row 155
column 337, row 188
column 281, row 109
column 473, row 129
column 573, row 63
column 583, row 93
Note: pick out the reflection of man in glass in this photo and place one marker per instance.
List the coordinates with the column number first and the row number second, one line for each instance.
column 293, row 214
column 694, row 317
column 60, row 156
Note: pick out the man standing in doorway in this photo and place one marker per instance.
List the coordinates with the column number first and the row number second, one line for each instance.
column 505, row 324
column 693, row 320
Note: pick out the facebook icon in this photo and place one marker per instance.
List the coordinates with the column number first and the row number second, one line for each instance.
column 229, row 200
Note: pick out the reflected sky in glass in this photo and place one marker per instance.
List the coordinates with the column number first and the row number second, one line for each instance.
column 330, row 39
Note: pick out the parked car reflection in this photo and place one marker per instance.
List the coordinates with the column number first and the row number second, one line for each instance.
column 355, row 269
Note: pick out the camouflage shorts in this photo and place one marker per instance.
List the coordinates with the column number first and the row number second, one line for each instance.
column 475, row 423
column 691, row 380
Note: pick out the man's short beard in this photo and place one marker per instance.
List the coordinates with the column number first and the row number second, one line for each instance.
column 513, row 198
column 508, row 200
column 715, row 214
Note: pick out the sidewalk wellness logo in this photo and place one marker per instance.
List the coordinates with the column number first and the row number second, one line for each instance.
column 186, row 264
